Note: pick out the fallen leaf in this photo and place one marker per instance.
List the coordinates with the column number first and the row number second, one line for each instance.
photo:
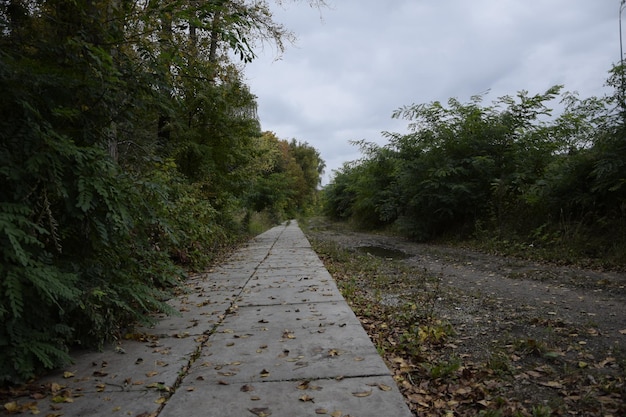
column 336, row 414
column 222, row 382
column 321, row 411
column 362, row 393
column 68, row 374
column 61, row 399
column 552, row 384
column 261, row 412
column 622, row 331
column 384, row 387
column 151, row 374
column 12, row 407
column 246, row 388
column 306, row 398
column 160, row 400
column 265, row 373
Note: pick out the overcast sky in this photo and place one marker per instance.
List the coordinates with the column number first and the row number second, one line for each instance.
column 356, row 62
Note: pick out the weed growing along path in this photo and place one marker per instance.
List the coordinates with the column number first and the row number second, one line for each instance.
column 472, row 334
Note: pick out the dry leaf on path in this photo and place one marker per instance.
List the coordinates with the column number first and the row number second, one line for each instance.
column 260, row 412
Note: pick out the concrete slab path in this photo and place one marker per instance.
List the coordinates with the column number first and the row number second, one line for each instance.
column 267, row 334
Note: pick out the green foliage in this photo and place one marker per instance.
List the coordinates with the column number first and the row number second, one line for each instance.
column 127, row 150
column 288, row 176
column 506, row 171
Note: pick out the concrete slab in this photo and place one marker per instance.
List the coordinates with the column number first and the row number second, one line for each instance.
column 278, row 353
column 127, row 366
column 105, row 404
column 265, row 333
column 268, row 288
column 306, row 315
column 358, row 397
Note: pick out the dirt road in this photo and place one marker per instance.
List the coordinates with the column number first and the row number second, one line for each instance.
column 563, row 329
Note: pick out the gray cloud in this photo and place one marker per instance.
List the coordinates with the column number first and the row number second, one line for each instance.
column 361, row 59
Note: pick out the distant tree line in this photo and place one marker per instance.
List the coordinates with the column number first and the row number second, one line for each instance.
column 506, row 173
column 129, row 149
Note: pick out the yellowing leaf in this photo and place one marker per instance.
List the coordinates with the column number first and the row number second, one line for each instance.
column 61, row 399
column 160, row 400
column 12, row 407
column 68, row 374
column 362, row 393
column 384, row 387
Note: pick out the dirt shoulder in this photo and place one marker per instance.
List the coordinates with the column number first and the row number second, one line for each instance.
column 518, row 337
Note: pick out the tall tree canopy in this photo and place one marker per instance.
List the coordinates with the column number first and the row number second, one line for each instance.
column 127, row 149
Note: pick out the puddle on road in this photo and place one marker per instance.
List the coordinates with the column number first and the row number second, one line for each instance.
column 386, row 253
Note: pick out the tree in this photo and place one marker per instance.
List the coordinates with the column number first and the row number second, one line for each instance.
column 124, row 146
